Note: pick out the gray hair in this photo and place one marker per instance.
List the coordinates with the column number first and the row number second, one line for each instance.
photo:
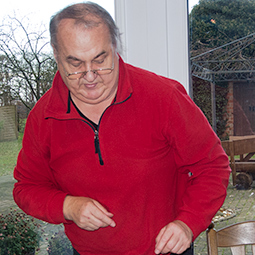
column 79, row 13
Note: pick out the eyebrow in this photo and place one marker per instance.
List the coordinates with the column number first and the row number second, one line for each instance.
column 68, row 58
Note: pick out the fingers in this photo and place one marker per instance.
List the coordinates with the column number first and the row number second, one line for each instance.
column 100, row 217
column 94, row 216
column 103, row 209
column 176, row 237
column 87, row 213
column 93, row 223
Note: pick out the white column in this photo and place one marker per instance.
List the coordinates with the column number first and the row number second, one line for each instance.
column 155, row 36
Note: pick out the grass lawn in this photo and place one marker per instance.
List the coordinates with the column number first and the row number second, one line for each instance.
column 8, row 155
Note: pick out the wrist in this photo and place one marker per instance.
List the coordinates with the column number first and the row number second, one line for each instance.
column 66, row 206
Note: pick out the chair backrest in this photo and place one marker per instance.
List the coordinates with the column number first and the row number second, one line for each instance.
column 235, row 236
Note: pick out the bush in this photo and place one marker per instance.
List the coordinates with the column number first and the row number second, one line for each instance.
column 18, row 234
column 202, row 98
column 21, row 125
column 60, row 244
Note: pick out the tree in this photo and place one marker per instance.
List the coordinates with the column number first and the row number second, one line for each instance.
column 5, row 93
column 28, row 66
column 217, row 22
column 214, row 23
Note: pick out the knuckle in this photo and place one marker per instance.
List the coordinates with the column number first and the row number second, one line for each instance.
column 103, row 225
column 168, row 247
column 87, row 205
column 164, row 239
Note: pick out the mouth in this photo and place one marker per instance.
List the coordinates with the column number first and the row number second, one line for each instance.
column 90, row 85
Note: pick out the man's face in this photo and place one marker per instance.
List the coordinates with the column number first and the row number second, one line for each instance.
column 83, row 49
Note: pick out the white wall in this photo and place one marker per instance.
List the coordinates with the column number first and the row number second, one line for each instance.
column 155, row 36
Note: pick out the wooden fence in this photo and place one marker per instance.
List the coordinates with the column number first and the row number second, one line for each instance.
column 8, row 123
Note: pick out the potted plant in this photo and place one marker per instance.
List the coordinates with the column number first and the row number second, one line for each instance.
column 18, row 234
column 59, row 244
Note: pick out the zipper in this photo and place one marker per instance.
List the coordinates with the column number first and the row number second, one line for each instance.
column 96, row 137
column 96, row 140
column 97, row 148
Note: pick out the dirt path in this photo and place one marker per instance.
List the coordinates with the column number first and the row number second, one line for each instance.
column 6, row 199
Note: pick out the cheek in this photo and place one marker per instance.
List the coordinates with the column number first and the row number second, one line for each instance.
column 66, row 81
column 112, row 79
column 71, row 85
column 62, row 73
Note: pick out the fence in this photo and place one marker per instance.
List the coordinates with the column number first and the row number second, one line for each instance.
column 8, row 123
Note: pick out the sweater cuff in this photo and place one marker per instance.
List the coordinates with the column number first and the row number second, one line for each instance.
column 196, row 224
column 55, row 209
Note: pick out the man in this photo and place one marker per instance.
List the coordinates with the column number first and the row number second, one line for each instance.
column 121, row 156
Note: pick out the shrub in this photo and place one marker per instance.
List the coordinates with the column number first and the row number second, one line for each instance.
column 59, row 244
column 21, row 125
column 202, row 97
column 18, row 234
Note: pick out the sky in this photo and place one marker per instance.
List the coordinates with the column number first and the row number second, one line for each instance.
column 39, row 12
column 192, row 3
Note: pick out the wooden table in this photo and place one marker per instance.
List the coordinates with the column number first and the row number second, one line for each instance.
column 244, row 146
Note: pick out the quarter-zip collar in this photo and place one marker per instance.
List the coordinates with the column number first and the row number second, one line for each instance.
column 59, row 105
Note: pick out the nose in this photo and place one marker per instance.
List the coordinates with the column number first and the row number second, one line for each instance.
column 89, row 75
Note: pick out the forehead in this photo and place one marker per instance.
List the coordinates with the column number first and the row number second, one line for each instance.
column 77, row 37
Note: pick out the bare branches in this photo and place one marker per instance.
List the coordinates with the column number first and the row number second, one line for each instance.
column 27, row 63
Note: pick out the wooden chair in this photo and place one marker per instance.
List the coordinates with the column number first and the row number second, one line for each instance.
column 235, row 236
column 241, row 146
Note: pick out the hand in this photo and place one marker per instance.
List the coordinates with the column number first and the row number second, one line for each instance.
column 87, row 213
column 176, row 237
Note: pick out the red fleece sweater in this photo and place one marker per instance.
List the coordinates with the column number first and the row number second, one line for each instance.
column 161, row 162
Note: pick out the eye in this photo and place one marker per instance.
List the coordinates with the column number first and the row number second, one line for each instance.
column 99, row 61
column 75, row 63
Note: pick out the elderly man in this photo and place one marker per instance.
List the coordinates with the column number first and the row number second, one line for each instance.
column 121, row 156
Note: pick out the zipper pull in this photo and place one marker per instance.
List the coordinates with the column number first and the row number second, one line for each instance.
column 97, row 148
column 96, row 139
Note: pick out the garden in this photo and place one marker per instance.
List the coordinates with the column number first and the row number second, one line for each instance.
column 21, row 234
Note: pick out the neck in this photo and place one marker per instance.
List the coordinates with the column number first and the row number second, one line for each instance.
column 93, row 111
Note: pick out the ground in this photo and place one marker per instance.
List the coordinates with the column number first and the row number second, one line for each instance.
column 240, row 202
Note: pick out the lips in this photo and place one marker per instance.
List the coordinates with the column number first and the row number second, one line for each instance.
column 90, row 85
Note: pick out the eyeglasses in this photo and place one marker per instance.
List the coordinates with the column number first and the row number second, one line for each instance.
column 99, row 71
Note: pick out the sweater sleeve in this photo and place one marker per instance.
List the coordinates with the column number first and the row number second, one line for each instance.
column 36, row 191
column 203, row 166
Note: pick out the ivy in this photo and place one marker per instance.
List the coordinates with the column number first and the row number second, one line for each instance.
column 202, row 97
